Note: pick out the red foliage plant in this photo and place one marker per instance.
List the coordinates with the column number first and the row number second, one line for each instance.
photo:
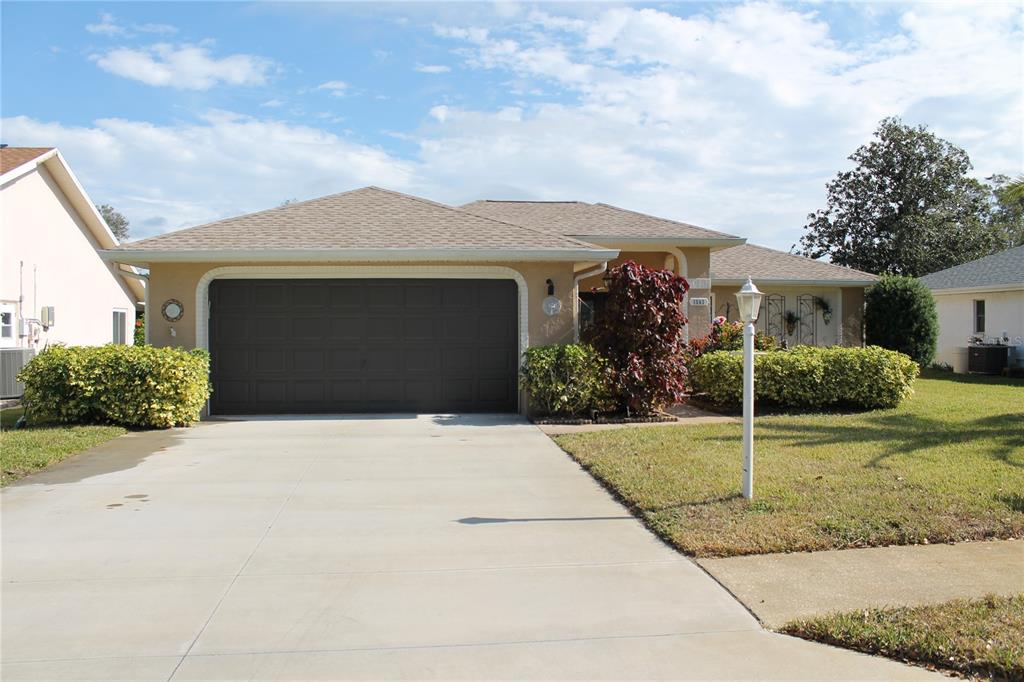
column 640, row 332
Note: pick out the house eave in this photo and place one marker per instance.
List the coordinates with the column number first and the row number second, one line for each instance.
column 386, row 255
column 716, row 281
column 714, row 243
column 980, row 289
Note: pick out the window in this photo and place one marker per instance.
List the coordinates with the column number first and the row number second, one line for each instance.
column 591, row 308
column 7, row 334
column 979, row 317
column 120, row 323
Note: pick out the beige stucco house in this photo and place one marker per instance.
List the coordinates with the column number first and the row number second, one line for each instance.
column 50, row 235
column 980, row 302
column 372, row 300
column 806, row 301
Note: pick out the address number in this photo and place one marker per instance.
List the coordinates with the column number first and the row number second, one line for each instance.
column 700, row 301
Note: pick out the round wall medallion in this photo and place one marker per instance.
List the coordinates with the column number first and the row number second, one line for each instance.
column 552, row 306
column 172, row 310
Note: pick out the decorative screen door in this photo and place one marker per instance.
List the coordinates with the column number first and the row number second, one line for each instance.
column 775, row 310
column 807, row 327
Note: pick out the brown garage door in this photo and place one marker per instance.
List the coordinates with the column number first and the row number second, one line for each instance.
column 363, row 345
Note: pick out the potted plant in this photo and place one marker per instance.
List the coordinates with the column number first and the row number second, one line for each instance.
column 825, row 308
column 792, row 319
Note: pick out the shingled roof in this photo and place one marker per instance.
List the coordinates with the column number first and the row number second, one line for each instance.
column 1003, row 269
column 598, row 221
column 12, row 157
column 370, row 223
column 735, row 264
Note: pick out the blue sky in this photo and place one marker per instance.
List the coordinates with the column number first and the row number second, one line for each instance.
column 728, row 115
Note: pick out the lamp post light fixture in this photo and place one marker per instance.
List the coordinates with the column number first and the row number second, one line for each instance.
column 748, row 301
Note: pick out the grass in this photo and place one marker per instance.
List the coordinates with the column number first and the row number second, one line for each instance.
column 36, row 447
column 973, row 637
column 947, row 465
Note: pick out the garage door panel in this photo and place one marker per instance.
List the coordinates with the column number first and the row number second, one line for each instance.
column 383, row 328
column 383, row 296
column 310, row 391
column 419, row 328
column 346, row 294
column 348, row 328
column 363, row 345
column 270, row 295
column 308, row 360
column 307, row 295
column 268, row 360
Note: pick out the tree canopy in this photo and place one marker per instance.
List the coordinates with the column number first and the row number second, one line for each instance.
column 908, row 207
column 115, row 220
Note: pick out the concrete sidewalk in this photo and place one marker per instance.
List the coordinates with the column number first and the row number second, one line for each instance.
column 377, row 547
column 783, row 587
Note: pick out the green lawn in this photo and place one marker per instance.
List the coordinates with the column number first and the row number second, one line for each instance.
column 28, row 450
column 979, row 637
column 947, row 465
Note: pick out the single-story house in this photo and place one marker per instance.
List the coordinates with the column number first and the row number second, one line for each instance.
column 980, row 302
column 373, row 300
column 54, row 286
column 806, row 301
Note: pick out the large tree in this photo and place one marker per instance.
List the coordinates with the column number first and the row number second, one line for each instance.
column 908, row 207
column 115, row 220
column 1008, row 209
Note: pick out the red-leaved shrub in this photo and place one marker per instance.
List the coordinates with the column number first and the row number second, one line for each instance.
column 641, row 334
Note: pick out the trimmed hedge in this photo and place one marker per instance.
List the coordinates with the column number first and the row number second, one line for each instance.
column 566, row 379
column 138, row 386
column 810, row 377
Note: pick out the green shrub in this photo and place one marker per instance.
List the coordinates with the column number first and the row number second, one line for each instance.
column 899, row 314
column 139, row 336
column 808, row 377
column 128, row 385
column 566, row 379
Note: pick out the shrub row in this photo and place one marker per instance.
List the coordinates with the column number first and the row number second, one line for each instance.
column 810, row 377
column 138, row 386
column 566, row 379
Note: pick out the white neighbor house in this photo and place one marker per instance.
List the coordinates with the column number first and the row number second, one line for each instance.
column 49, row 235
column 983, row 299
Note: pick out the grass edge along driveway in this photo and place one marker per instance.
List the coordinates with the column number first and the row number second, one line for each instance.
column 36, row 447
column 947, row 465
column 977, row 637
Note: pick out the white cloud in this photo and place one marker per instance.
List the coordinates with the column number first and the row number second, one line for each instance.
column 334, row 88
column 164, row 177
column 433, row 68
column 185, row 67
column 735, row 117
column 161, row 29
column 273, row 103
column 107, row 26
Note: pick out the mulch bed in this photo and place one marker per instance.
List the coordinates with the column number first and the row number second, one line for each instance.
column 603, row 419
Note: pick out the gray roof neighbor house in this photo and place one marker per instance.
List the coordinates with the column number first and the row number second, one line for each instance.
column 1003, row 269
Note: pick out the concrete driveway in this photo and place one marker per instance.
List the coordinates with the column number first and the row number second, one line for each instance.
column 409, row 547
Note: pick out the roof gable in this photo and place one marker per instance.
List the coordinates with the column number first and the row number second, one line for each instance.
column 736, row 263
column 580, row 219
column 370, row 218
column 1005, row 268
column 12, row 157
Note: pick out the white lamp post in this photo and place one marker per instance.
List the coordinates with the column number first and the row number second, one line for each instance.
column 748, row 300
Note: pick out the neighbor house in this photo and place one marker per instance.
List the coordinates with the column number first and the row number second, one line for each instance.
column 54, row 286
column 980, row 303
column 372, row 300
column 806, row 301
